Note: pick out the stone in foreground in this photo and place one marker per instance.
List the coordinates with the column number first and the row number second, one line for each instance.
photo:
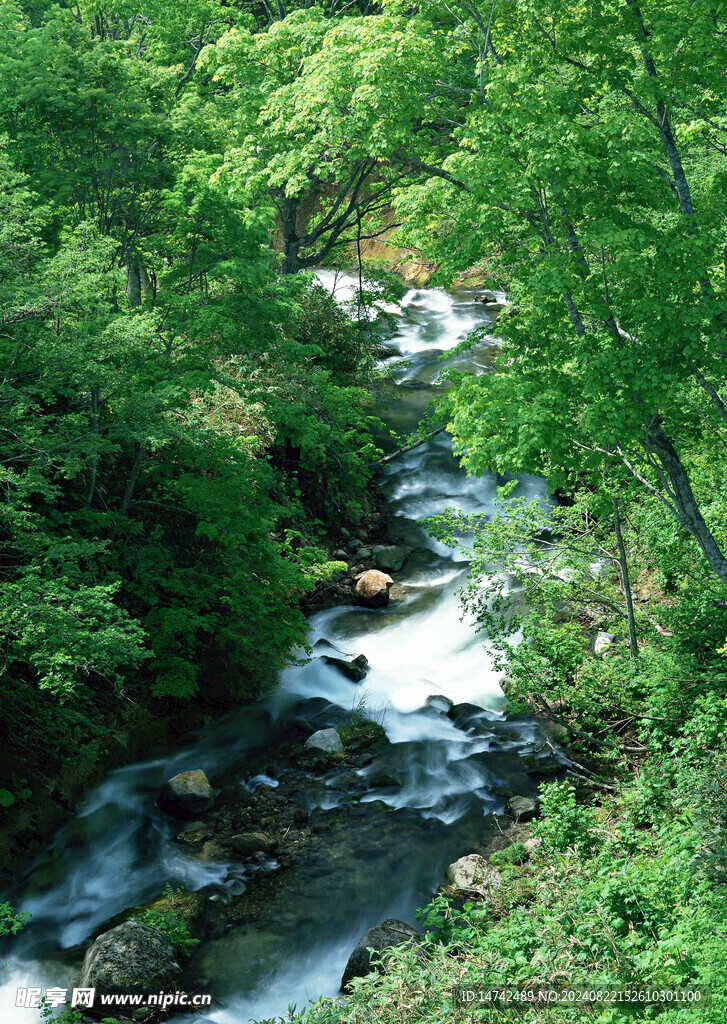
column 133, row 958
column 389, row 933
column 473, row 875
column 372, row 589
column 326, row 740
column 187, row 794
column 522, row 808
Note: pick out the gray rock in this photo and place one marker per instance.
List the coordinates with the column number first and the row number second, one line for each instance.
column 463, row 713
column 326, row 740
column 340, row 556
column 439, row 703
column 473, row 875
column 372, row 589
column 363, row 554
column 356, row 669
column 389, row 557
column 354, row 544
column 602, row 641
column 247, row 843
column 187, row 794
column 522, row 808
column 506, row 684
column 533, row 844
column 133, row 958
column 325, row 643
column 389, row 933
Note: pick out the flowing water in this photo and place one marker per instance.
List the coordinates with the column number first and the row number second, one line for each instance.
column 397, row 841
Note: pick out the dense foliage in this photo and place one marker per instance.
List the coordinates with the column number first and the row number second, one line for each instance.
column 179, row 427
column 183, row 417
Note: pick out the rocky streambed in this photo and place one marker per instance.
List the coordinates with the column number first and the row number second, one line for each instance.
column 292, row 846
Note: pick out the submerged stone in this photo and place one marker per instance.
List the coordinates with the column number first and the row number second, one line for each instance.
column 247, row 843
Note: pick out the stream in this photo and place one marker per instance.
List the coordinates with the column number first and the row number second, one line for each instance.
column 389, row 855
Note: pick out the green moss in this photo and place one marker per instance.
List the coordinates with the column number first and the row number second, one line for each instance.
column 363, row 735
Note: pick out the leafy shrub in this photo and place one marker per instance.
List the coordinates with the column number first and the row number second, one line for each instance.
column 564, row 824
column 167, row 914
column 516, row 853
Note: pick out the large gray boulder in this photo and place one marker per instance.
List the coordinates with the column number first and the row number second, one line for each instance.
column 473, row 876
column 187, row 794
column 372, row 589
column 326, row 740
column 389, row 933
column 133, row 958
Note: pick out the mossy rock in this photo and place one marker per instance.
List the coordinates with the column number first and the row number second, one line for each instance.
column 188, row 907
column 363, row 735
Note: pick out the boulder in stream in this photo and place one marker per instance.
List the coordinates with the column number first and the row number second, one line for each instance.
column 326, row 740
column 462, row 714
column 473, row 876
column 372, row 589
column 522, row 808
column 133, row 958
column 391, row 932
column 355, row 670
column 390, row 557
column 187, row 794
column 440, row 703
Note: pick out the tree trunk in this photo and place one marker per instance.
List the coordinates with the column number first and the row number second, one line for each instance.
column 291, row 241
column 131, row 482
column 93, row 468
column 133, row 283
column 625, row 581
column 657, row 443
